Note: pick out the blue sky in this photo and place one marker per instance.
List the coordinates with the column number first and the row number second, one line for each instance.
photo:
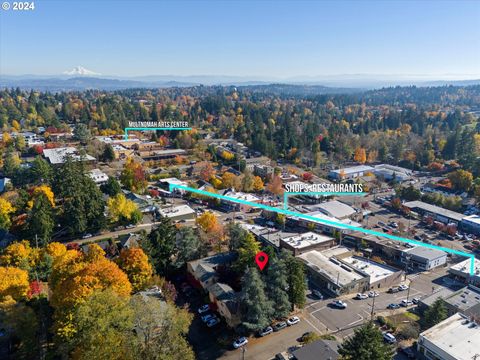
column 246, row 38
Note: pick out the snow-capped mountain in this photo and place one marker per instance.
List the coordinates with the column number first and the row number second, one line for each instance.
column 80, row 71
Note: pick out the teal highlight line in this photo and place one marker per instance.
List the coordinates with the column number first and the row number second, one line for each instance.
column 154, row 128
column 287, row 194
column 329, row 222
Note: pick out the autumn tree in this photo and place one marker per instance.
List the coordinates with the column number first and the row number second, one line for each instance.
column 258, row 184
column 134, row 262
column 6, row 210
column 247, row 249
column 461, row 180
column 275, row 186
column 133, row 176
column 230, row 180
column 122, row 210
column 360, row 155
column 13, row 283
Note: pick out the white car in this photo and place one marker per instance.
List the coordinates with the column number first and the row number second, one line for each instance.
column 240, row 342
column 406, row 303
column 403, row 287
column 293, row 320
column 86, row 236
column 204, row 308
column 373, row 294
column 317, row 294
column 339, row 304
column 389, row 338
column 360, row 296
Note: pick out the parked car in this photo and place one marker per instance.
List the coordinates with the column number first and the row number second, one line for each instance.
column 86, row 236
column 393, row 290
column 317, row 294
column 213, row 322
column 203, row 309
column 393, row 306
column 130, row 226
column 360, row 296
column 208, row 317
column 408, row 351
column 389, row 338
column 373, row 293
column 339, row 304
column 240, row 342
column 279, row 326
column 415, row 300
column 406, row 303
column 293, row 320
column 403, row 287
column 264, row 332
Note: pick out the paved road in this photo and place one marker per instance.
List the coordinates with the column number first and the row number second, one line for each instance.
column 265, row 348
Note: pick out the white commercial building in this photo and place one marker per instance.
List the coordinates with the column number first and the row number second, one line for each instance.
column 389, row 172
column 423, row 258
column 59, row 155
column 350, row 172
column 461, row 271
column 181, row 212
column 455, row 338
column 336, row 209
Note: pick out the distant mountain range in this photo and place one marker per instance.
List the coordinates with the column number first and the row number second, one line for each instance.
column 79, row 79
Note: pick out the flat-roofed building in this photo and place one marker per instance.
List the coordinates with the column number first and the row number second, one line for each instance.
column 390, row 172
column 165, row 185
column 160, row 154
column 423, row 258
column 333, row 275
column 336, row 209
column 237, row 195
column 301, row 243
column 58, row 156
column 438, row 213
column 323, row 223
column 461, row 272
column 471, row 224
column 380, row 275
column 176, row 213
column 455, row 338
column 350, row 172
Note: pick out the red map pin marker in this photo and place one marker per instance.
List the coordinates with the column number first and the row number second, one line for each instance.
column 261, row 259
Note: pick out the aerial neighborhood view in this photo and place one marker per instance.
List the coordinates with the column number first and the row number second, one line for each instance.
column 240, row 180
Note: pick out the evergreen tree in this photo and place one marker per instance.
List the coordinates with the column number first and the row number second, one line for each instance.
column 108, row 154
column 257, row 308
column 277, row 283
column 247, row 250
column 41, row 220
column 366, row 344
column 188, row 246
column 159, row 245
column 82, row 133
column 296, row 279
column 237, row 235
column 436, row 313
column 111, row 187
column 41, row 171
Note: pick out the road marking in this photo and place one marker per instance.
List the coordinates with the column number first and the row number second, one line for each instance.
column 308, row 321
column 313, row 312
column 356, row 321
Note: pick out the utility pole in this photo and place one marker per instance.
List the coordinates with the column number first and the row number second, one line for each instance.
column 373, row 306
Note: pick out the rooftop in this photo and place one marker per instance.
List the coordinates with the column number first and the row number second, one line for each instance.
column 375, row 270
column 424, row 252
column 331, row 268
column 434, row 209
column 176, row 211
column 475, row 219
column 318, row 350
column 205, row 268
column 456, row 336
column 59, row 155
column 307, row 239
column 336, row 209
column 464, row 267
column 242, row 196
column 465, row 299
column 354, row 169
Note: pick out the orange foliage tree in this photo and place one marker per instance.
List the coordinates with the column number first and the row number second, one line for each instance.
column 134, row 262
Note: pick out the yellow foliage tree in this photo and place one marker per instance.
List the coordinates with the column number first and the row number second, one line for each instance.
column 231, row 180
column 16, row 125
column 258, row 183
column 134, row 262
column 207, row 221
column 18, row 254
column 13, row 283
column 6, row 138
column 119, row 207
column 56, row 250
column 360, row 155
column 6, row 209
column 45, row 189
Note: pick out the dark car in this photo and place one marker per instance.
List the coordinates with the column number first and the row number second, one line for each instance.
column 265, row 332
column 279, row 326
column 305, row 336
column 393, row 306
column 408, row 351
column 393, row 290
